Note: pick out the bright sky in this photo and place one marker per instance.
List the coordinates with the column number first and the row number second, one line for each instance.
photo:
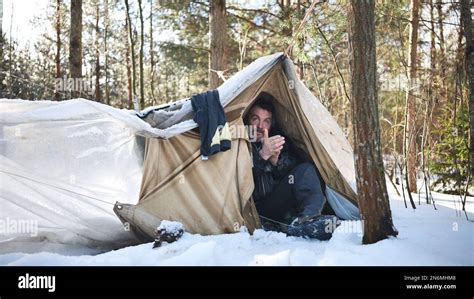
column 23, row 13
column 25, row 10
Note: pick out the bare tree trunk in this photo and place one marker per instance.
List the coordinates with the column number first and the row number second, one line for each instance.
column 371, row 186
column 106, row 63
column 442, row 58
column 469, row 65
column 142, row 26
column 395, row 151
column 298, row 63
column 97, row 56
column 433, row 63
column 410, row 137
column 75, row 45
column 131, row 50
column 429, row 107
column 129, row 68
column 2, row 45
column 10, row 56
column 434, row 77
column 152, row 57
column 217, row 32
column 58, row 46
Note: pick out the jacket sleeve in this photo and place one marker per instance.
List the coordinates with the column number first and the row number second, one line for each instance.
column 260, row 165
column 285, row 163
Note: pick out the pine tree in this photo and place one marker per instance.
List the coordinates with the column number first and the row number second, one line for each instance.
column 371, row 187
column 217, row 33
column 411, row 115
column 75, row 54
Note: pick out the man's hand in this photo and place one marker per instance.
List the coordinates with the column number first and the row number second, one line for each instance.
column 271, row 147
column 274, row 158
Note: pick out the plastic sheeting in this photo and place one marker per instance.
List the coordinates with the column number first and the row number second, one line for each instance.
column 63, row 165
column 343, row 208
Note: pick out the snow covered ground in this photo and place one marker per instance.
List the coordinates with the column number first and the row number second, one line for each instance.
column 427, row 237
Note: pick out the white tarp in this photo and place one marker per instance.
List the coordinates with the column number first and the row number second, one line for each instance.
column 63, row 165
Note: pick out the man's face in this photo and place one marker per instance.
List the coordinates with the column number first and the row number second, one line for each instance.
column 260, row 119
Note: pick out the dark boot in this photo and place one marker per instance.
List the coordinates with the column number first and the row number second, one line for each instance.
column 317, row 227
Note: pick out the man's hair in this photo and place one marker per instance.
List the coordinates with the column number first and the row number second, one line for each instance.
column 265, row 101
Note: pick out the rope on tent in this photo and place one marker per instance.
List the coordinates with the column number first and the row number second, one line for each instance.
column 274, row 221
column 310, row 9
column 60, row 188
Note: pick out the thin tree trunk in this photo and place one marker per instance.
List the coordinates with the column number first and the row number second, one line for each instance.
column 2, row 66
column 217, row 33
column 132, row 51
column 129, row 68
column 152, row 57
column 97, row 56
column 469, row 66
column 410, row 100
column 106, row 63
column 433, row 64
column 298, row 63
column 2, row 62
column 58, row 46
column 430, row 109
column 458, row 95
column 75, row 46
column 372, row 189
column 428, row 112
column 442, row 60
column 10, row 56
column 433, row 75
column 142, row 28
column 466, row 21
column 424, row 137
column 395, row 135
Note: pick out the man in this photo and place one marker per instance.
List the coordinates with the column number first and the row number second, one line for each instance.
column 284, row 187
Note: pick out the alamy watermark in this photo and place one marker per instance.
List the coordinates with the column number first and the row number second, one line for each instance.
column 241, row 131
column 10, row 226
column 345, row 227
column 79, row 85
column 28, row 281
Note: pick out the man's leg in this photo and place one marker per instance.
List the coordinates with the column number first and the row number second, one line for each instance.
column 278, row 203
column 299, row 191
column 307, row 190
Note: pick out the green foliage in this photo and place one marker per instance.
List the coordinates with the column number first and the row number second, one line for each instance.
column 17, row 74
column 449, row 161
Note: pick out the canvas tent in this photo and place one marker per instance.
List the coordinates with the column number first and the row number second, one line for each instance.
column 65, row 164
column 214, row 196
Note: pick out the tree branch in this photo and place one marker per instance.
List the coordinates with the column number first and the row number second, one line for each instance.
column 252, row 10
column 252, row 23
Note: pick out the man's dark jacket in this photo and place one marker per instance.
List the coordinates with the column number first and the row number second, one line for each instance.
column 266, row 175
